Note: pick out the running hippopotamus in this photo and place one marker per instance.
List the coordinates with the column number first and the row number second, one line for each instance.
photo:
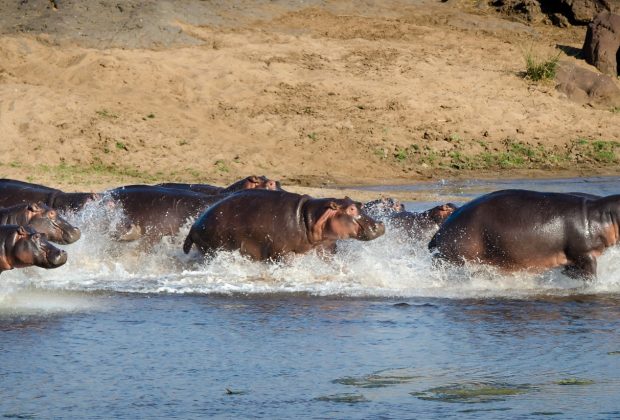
column 18, row 192
column 156, row 211
column 423, row 225
column 22, row 246
column 42, row 219
column 250, row 182
column 267, row 225
column 519, row 229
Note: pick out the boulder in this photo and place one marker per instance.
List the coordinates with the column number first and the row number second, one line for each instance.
column 587, row 87
column 602, row 45
column 580, row 11
column 559, row 12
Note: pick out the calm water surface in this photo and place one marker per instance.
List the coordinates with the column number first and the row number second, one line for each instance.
column 376, row 333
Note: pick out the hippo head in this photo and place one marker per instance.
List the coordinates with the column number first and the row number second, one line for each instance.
column 343, row 219
column 47, row 221
column 32, row 248
column 254, row 182
column 440, row 213
column 383, row 207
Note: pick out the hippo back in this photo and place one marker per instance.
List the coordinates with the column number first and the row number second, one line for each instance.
column 274, row 218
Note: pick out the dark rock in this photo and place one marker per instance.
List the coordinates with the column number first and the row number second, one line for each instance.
column 602, row 45
column 587, row 87
column 559, row 12
column 582, row 11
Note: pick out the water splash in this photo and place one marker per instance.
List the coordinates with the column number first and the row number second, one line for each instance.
column 391, row 266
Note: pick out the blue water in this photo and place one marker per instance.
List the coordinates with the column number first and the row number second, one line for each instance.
column 120, row 333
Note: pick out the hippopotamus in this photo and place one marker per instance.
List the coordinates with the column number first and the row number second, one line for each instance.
column 18, row 192
column 22, row 246
column 250, row 182
column 42, row 219
column 421, row 226
column 156, row 211
column 268, row 225
column 520, row 229
column 383, row 207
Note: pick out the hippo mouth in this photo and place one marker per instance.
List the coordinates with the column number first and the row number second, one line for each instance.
column 368, row 229
column 56, row 259
column 70, row 235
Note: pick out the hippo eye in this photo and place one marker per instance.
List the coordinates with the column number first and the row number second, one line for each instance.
column 36, row 237
column 52, row 213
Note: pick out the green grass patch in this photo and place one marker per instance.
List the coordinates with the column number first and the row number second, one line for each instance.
column 401, row 155
column 104, row 113
column 540, row 69
column 221, row 166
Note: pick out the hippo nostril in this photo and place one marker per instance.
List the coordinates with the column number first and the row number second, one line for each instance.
column 72, row 235
column 59, row 258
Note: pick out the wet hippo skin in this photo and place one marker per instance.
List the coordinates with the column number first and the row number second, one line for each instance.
column 22, row 246
column 267, row 225
column 520, row 229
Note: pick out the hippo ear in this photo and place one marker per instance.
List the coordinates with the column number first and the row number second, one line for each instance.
column 35, row 207
column 253, row 179
column 21, row 231
column 333, row 205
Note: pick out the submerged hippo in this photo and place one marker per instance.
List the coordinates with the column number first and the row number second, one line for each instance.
column 267, row 225
column 18, row 192
column 422, row 225
column 519, row 229
column 22, row 246
column 42, row 219
column 156, row 211
column 250, row 182
column 383, row 207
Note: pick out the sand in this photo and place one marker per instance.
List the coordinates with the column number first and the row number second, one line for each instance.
column 313, row 93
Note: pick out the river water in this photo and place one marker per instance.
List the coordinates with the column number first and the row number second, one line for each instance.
column 124, row 332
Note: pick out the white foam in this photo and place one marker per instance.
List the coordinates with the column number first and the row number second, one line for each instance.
column 388, row 266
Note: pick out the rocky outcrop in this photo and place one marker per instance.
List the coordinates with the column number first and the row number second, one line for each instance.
column 602, row 44
column 587, row 87
column 558, row 12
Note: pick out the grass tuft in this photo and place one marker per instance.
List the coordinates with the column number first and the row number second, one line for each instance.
column 537, row 69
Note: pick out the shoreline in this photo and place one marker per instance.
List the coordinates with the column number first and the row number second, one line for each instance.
column 86, row 182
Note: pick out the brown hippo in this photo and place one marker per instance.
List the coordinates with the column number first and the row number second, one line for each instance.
column 519, row 229
column 18, row 192
column 22, row 246
column 42, row 219
column 421, row 226
column 250, row 182
column 267, row 225
column 383, row 207
column 156, row 211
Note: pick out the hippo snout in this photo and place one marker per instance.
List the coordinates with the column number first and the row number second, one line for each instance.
column 58, row 258
column 372, row 231
column 71, row 235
